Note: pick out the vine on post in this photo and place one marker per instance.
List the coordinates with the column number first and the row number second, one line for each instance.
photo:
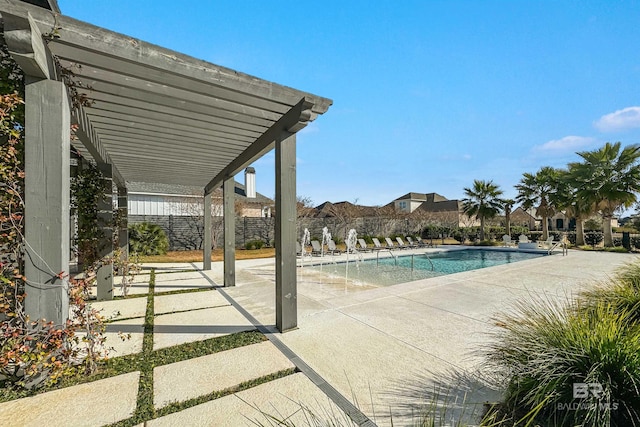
column 34, row 356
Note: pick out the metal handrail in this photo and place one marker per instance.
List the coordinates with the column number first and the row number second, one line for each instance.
column 565, row 250
column 395, row 257
column 433, row 268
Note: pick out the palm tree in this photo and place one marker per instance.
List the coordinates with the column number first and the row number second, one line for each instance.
column 540, row 190
column 609, row 180
column 507, row 204
column 576, row 208
column 482, row 201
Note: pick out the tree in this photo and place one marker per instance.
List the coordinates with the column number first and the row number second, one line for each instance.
column 540, row 190
column 609, row 179
column 482, row 201
column 507, row 204
column 574, row 207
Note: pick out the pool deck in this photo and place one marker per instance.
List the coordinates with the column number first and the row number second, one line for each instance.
column 382, row 348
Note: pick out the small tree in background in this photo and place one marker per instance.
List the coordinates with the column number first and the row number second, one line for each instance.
column 148, row 239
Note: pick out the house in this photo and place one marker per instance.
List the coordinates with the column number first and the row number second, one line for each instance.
column 433, row 206
column 147, row 199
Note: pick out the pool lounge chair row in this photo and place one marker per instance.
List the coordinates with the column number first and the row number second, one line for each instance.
column 507, row 241
column 316, row 248
column 400, row 244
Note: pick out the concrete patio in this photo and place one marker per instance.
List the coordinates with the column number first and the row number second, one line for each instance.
column 381, row 348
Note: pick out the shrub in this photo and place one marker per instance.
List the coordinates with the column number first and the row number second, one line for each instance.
column 254, row 244
column 593, row 238
column 571, row 237
column 148, row 239
column 545, row 348
column 622, row 294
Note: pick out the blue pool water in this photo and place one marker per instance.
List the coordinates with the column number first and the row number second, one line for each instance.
column 390, row 270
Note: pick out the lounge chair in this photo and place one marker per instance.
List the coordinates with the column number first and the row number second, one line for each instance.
column 523, row 239
column 331, row 247
column 412, row 244
column 390, row 244
column 547, row 244
column 506, row 241
column 401, row 243
column 376, row 244
column 316, row 249
column 363, row 246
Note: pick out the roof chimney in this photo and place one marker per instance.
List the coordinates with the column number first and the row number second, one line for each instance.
column 250, row 182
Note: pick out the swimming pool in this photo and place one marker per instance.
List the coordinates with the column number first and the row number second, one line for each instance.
column 388, row 269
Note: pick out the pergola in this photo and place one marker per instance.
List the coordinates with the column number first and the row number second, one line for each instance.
column 154, row 115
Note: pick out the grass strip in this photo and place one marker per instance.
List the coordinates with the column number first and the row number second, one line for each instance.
column 181, row 406
column 144, row 407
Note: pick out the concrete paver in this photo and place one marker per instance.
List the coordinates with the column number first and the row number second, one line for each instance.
column 188, row 301
column 92, row 404
column 293, row 398
column 132, row 330
column 215, row 372
column 121, row 308
column 197, row 325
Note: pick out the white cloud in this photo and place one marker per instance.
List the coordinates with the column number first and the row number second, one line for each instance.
column 567, row 144
column 627, row 118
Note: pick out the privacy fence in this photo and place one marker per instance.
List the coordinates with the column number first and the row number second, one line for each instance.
column 186, row 232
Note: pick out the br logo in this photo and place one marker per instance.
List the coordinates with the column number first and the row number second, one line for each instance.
column 584, row 390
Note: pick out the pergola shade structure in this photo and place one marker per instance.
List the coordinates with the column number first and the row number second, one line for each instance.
column 155, row 115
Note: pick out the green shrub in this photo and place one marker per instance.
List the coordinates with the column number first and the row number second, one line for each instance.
column 622, row 293
column 593, row 238
column 148, row 239
column 545, row 348
column 254, row 244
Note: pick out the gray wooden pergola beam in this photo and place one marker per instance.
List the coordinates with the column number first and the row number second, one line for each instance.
column 122, row 73
column 92, row 143
column 285, row 231
column 228, row 118
column 47, row 204
column 292, row 121
column 229, row 218
column 207, row 243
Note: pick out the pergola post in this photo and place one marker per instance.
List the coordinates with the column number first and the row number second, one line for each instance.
column 229, row 215
column 104, row 275
column 47, row 199
column 123, row 223
column 206, row 245
column 285, row 229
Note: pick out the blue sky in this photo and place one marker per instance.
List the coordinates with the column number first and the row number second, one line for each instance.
column 428, row 95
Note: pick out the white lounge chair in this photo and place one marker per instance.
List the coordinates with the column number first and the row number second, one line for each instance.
column 401, row 243
column 523, row 239
column 547, row 244
column 316, row 249
column 506, row 241
column 363, row 246
column 390, row 244
column 376, row 244
column 331, row 247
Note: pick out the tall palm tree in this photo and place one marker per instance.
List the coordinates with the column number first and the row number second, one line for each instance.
column 610, row 179
column 540, row 190
column 482, row 201
column 578, row 209
column 507, row 204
